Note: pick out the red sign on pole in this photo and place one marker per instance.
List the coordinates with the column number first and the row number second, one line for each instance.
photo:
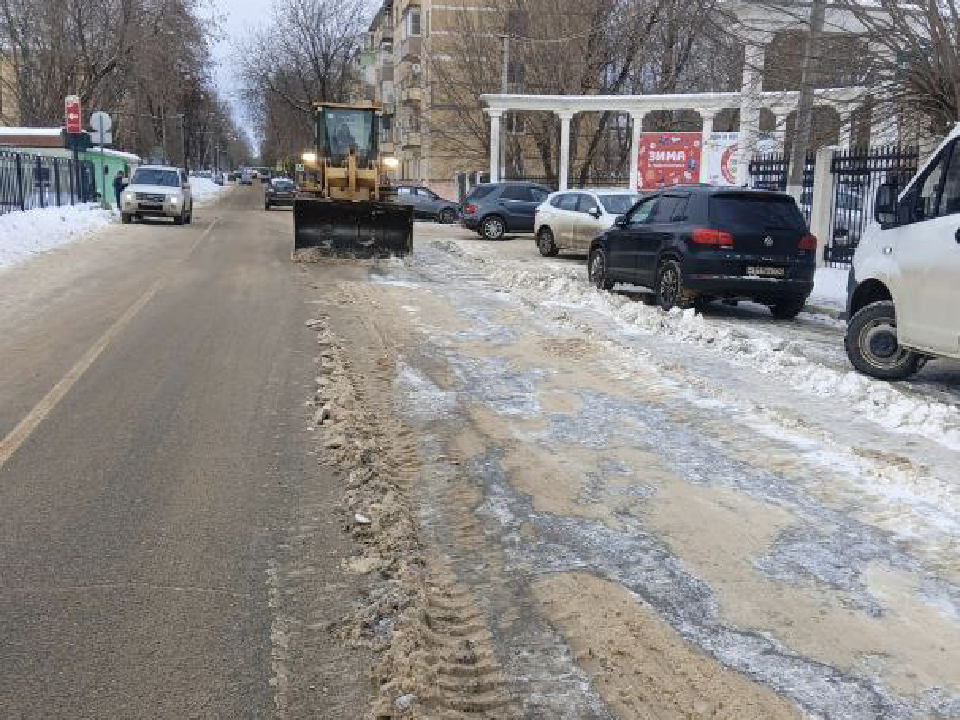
column 669, row 158
column 73, row 115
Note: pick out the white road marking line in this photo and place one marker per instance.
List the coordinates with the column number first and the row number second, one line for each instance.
column 25, row 428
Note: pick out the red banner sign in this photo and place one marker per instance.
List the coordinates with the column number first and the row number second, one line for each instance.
column 667, row 159
column 72, row 115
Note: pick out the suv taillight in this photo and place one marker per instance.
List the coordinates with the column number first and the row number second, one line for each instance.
column 470, row 208
column 716, row 238
column 808, row 242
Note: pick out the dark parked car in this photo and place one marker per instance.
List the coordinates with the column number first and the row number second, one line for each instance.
column 427, row 204
column 498, row 209
column 280, row 191
column 692, row 245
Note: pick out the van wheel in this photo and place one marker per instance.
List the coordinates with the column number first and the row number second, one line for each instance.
column 545, row 243
column 493, row 228
column 788, row 308
column 597, row 270
column 670, row 290
column 178, row 220
column 872, row 344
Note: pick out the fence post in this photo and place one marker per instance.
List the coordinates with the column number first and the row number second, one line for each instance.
column 821, row 222
column 56, row 179
column 38, row 181
column 23, row 195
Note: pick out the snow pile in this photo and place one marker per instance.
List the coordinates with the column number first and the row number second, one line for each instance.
column 23, row 234
column 205, row 190
column 830, row 287
column 885, row 403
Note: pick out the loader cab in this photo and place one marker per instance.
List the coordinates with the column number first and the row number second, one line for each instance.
column 341, row 131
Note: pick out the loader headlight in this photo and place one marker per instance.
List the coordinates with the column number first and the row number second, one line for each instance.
column 391, row 162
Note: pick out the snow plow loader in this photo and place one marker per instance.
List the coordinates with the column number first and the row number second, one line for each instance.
column 342, row 208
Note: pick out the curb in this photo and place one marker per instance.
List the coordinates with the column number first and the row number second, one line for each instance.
column 832, row 312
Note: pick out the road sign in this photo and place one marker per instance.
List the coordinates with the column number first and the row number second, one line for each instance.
column 72, row 114
column 299, row 167
column 101, row 123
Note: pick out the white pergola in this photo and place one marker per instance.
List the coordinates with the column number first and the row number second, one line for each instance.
column 708, row 105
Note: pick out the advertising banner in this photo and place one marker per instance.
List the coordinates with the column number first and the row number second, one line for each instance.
column 720, row 159
column 668, row 158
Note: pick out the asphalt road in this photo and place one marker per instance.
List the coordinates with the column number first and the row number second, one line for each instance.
column 153, row 469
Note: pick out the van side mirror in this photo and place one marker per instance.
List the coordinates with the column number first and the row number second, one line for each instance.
column 885, row 208
column 621, row 221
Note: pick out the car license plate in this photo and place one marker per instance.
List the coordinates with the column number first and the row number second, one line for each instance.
column 761, row 271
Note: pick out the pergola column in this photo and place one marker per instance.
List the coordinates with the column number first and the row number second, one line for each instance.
column 707, row 116
column 750, row 105
column 565, row 117
column 495, row 116
column 636, row 120
column 780, row 129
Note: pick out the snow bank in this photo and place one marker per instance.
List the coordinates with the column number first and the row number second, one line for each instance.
column 892, row 406
column 24, row 234
column 205, row 190
column 830, row 288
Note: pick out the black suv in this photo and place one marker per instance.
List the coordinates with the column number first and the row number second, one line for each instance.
column 498, row 209
column 695, row 244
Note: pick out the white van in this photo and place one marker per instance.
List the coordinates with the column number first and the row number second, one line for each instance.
column 903, row 299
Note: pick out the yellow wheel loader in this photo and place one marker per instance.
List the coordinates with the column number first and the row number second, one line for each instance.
column 342, row 209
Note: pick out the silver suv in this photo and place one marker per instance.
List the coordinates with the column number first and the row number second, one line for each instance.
column 158, row 191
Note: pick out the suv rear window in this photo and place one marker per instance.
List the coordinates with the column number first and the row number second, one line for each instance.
column 480, row 192
column 766, row 211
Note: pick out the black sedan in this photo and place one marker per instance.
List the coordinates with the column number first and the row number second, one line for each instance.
column 280, row 191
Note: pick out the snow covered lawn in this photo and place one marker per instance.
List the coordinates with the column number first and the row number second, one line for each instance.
column 205, row 190
column 830, row 288
column 24, row 234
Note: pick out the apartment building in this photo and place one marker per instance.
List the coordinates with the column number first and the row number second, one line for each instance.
column 395, row 70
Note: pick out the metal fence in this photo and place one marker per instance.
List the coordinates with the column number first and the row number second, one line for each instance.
column 36, row 181
column 771, row 172
column 857, row 173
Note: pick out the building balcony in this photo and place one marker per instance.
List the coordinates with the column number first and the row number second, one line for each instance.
column 411, row 95
column 410, row 48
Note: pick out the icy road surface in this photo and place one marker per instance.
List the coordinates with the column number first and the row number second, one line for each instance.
column 670, row 515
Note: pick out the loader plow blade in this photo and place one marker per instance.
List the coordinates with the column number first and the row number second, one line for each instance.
column 341, row 228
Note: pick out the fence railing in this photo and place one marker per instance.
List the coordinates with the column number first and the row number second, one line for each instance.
column 36, row 181
column 771, row 172
column 857, row 173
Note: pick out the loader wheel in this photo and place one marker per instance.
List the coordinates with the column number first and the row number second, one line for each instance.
column 266, row 206
column 493, row 228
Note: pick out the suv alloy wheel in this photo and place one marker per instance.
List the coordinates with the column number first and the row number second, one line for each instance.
column 493, row 228
column 545, row 243
column 597, row 269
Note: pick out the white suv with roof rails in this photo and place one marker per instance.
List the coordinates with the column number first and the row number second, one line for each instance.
column 571, row 219
column 158, row 191
column 904, row 287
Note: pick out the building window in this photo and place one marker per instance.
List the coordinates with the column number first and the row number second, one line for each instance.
column 516, row 71
column 412, row 22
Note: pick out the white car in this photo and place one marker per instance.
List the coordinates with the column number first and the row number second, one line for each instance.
column 904, row 287
column 571, row 219
column 158, row 191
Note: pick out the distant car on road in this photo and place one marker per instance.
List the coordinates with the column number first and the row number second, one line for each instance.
column 219, row 178
column 158, row 191
column 570, row 220
column 246, row 176
column 280, row 191
column 427, row 204
column 496, row 210
column 263, row 174
column 694, row 244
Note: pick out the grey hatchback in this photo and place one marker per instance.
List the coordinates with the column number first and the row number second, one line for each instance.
column 498, row 209
column 427, row 204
